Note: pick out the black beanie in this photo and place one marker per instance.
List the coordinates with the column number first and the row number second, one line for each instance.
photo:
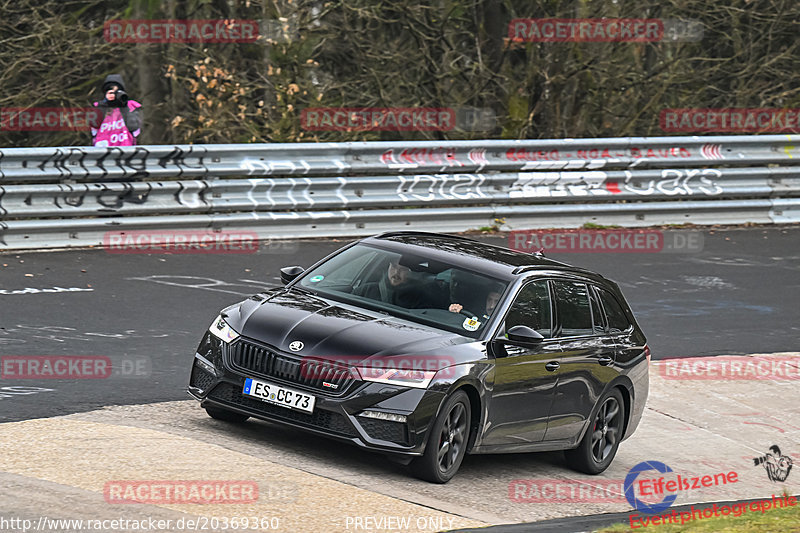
column 113, row 79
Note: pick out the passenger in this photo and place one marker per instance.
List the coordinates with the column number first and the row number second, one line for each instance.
column 492, row 299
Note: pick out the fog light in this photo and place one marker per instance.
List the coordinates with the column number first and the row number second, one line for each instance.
column 205, row 364
column 380, row 415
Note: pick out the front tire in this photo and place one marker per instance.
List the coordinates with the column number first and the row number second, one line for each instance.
column 225, row 415
column 447, row 442
column 601, row 441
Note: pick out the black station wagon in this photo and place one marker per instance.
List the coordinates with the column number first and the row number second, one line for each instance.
column 426, row 347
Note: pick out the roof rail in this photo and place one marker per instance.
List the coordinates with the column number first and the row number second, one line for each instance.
column 550, row 264
column 425, row 233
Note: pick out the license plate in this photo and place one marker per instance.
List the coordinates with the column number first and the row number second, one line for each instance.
column 283, row 396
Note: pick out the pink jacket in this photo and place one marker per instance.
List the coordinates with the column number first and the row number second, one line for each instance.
column 113, row 131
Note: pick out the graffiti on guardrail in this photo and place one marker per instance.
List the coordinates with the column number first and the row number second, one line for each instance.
column 448, row 157
column 200, row 161
column 427, row 187
column 597, row 157
column 413, row 157
column 672, row 182
column 125, row 164
column 279, row 194
column 256, row 167
column 71, row 196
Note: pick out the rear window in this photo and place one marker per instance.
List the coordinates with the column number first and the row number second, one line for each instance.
column 617, row 320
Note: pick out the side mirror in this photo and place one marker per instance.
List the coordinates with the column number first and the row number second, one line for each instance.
column 524, row 336
column 289, row 274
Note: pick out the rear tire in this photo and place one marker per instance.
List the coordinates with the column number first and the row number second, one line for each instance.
column 601, row 441
column 225, row 415
column 447, row 441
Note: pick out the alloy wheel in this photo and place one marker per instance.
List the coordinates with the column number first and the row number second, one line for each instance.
column 606, row 429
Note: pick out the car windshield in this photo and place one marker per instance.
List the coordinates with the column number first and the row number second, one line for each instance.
column 410, row 286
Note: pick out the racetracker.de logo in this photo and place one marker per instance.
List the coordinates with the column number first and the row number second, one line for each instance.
column 48, row 118
column 554, row 30
column 730, row 120
column 322, row 367
column 158, row 492
column 378, row 119
column 731, row 368
column 55, row 367
column 545, row 490
column 181, row 31
column 605, row 241
column 180, row 242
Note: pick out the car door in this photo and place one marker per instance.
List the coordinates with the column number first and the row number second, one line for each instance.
column 523, row 381
column 585, row 364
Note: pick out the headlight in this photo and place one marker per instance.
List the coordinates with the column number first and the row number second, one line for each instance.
column 419, row 379
column 221, row 330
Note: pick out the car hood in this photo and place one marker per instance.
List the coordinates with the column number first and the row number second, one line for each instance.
column 330, row 329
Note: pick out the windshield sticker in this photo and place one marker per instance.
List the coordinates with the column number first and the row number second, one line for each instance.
column 316, row 279
column 471, row 324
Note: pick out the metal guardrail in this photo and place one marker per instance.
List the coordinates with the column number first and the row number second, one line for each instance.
column 73, row 196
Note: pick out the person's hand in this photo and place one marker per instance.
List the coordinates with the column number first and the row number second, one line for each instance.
column 455, row 308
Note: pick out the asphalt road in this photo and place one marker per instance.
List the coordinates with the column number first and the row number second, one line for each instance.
column 146, row 313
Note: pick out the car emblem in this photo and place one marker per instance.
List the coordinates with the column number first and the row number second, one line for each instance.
column 295, row 346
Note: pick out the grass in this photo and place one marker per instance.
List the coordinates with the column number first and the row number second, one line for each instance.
column 494, row 228
column 786, row 519
column 592, row 225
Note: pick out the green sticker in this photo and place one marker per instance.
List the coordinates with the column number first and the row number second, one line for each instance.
column 316, row 279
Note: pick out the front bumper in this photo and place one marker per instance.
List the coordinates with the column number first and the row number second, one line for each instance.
column 217, row 381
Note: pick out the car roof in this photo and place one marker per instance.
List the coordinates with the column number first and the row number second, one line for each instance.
column 472, row 254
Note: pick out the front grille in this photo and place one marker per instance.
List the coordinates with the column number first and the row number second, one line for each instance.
column 323, row 376
column 384, row 429
column 200, row 378
column 319, row 419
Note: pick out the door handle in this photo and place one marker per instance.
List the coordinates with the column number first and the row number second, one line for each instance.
column 552, row 366
column 605, row 361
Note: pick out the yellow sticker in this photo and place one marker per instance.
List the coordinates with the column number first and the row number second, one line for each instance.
column 471, row 324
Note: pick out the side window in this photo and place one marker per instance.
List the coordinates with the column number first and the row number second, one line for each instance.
column 598, row 323
column 531, row 308
column 572, row 301
column 617, row 321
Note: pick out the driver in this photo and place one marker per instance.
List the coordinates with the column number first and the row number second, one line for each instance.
column 395, row 287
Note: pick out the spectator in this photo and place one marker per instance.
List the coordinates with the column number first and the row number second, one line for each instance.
column 118, row 123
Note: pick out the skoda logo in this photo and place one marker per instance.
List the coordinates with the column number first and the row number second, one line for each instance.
column 295, row 346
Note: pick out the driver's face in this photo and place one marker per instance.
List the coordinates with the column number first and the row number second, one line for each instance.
column 397, row 274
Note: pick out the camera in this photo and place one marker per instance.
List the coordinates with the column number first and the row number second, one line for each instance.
column 121, row 96
column 759, row 460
